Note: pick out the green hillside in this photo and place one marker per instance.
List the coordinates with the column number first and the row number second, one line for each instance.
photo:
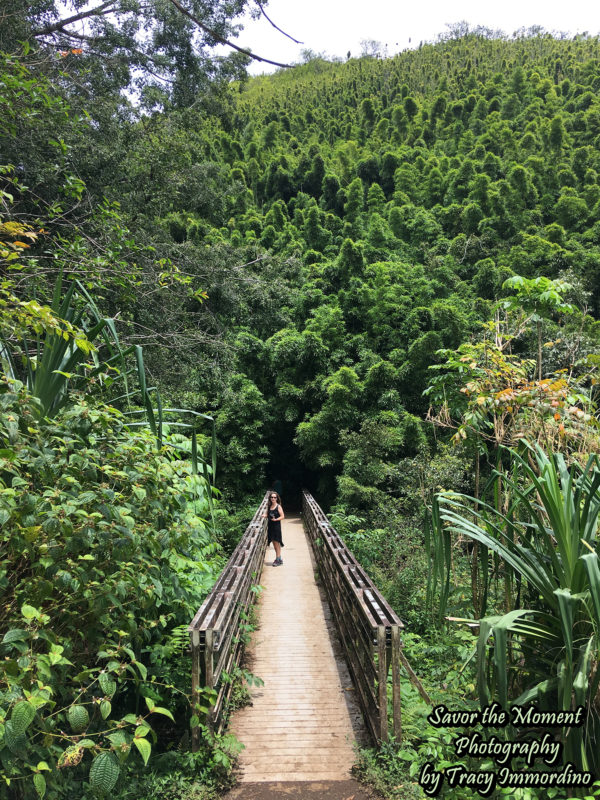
column 386, row 201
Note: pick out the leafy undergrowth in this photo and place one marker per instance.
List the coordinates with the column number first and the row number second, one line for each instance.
column 105, row 554
column 393, row 768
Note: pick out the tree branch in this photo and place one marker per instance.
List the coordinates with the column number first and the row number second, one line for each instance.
column 109, row 7
column 221, row 40
column 92, row 12
column 264, row 13
column 145, row 59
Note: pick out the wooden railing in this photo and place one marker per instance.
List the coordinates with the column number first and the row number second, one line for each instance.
column 368, row 628
column 215, row 631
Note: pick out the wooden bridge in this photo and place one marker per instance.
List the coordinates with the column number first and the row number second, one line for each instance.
column 327, row 646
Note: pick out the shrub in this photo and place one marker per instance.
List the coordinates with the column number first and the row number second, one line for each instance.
column 104, row 550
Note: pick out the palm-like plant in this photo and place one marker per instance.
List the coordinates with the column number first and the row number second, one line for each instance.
column 546, row 647
column 63, row 356
column 76, row 344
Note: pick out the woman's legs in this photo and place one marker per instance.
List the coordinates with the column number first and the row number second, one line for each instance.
column 277, row 547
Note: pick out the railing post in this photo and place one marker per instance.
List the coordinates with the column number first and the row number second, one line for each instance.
column 368, row 627
column 217, row 622
column 382, row 670
column 396, row 645
column 195, row 637
column 209, row 678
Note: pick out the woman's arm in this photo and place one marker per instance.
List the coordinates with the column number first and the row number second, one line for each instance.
column 282, row 514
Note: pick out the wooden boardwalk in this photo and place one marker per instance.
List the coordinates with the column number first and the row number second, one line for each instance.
column 304, row 721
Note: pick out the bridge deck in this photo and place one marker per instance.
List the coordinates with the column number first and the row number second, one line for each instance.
column 304, row 721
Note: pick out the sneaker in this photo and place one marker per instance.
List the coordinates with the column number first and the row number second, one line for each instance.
column 278, row 562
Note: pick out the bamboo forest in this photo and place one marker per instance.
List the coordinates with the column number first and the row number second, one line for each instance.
column 372, row 282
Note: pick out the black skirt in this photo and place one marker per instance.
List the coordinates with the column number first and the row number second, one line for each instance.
column 274, row 532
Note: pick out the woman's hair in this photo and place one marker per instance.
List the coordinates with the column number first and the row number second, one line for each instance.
column 276, row 495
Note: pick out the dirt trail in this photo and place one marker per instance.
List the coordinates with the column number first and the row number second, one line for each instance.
column 300, row 790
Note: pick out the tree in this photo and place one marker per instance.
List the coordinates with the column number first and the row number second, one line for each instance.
column 557, row 133
column 330, row 197
column 538, row 298
column 370, row 48
column 318, row 437
column 368, row 170
column 240, row 421
column 375, row 198
column 152, row 44
column 368, row 110
column 313, row 179
column 571, row 211
column 350, row 261
column 316, row 236
column 399, row 120
column 355, row 200
column 410, row 107
column 488, row 394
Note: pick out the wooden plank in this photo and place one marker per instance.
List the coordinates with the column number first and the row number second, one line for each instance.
column 325, row 525
column 208, row 672
column 355, row 623
column 217, row 621
column 302, row 721
column 413, row 679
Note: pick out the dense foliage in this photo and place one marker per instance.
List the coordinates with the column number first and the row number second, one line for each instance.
column 108, row 539
column 105, row 555
column 397, row 196
column 379, row 276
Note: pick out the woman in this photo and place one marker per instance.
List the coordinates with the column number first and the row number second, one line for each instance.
column 275, row 515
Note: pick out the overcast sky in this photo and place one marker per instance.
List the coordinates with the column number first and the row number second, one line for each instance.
column 335, row 27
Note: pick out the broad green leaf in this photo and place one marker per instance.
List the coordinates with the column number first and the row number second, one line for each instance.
column 14, row 635
column 143, row 670
column 164, row 711
column 118, row 738
column 39, row 700
column 78, row 718
column 145, row 748
column 40, row 784
column 22, row 716
column 104, row 772
column 16, row 742
column 105, row 709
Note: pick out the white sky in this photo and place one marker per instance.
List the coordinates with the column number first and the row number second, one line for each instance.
column 336, row 26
